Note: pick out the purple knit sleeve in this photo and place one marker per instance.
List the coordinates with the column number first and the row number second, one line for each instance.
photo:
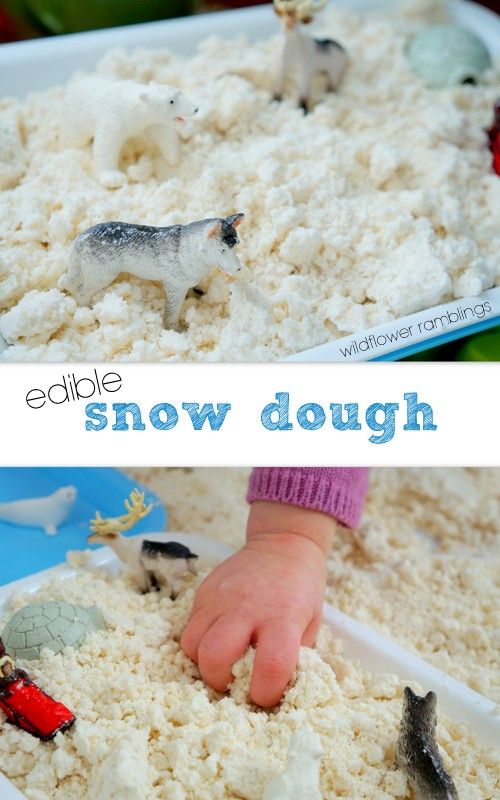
column 337, row 491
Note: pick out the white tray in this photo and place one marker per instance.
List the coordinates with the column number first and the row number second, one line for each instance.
column 36, row 65
column 376, row 653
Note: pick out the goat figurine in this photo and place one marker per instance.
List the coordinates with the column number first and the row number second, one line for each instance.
column 153, row 563
column 304, row 54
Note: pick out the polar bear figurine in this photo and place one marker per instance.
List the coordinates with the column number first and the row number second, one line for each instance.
column 112, row 111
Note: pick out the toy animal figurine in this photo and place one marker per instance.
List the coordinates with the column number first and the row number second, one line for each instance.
column 41, row 512
column 494, row 137
column 166, row 563
column 417, row 752
column 304, row 54
column 179, row 256
column 50, row 624
column 448, row 55
column 27, row 706
column 300, row 779
column 152, row 563
column 113, row 111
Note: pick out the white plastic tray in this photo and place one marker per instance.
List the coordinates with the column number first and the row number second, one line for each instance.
column 376, row 653
column 36, row 65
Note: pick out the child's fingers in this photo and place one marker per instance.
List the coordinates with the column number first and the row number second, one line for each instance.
column 276, row 657
column 310, row 633
column 194, row 632
column 226, row 641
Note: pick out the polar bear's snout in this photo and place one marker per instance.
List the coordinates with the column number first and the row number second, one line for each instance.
column 182, row 107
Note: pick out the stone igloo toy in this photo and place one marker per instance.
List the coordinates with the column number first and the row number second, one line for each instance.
column 448, row 55
column 51, row 624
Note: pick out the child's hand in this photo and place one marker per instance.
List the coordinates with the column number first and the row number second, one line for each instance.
column 270, row 594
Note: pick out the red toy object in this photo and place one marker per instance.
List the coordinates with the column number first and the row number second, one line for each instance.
column 27, row 706
column 8, row 28
column 494, row 137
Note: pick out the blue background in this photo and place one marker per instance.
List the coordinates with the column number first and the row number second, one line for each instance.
column 27, row 550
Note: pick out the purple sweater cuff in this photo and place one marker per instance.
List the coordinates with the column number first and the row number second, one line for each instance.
column 337, row 491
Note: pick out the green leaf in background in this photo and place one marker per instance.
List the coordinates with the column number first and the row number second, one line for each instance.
column 69, row 16
column 481, row 347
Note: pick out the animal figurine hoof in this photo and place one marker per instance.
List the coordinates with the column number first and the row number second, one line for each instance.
column 277, row 98
column 303, row 106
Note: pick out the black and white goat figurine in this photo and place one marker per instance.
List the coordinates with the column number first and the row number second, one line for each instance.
column 166, row 563
column 154, row 564
column 305, row 55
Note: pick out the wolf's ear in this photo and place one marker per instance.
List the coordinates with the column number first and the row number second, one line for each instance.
column 235, row 220
column 214, row 230
column 409, row 694
column 430, row 701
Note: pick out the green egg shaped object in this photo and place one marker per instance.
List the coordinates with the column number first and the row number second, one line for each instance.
column 447, row 55
column 51, row 624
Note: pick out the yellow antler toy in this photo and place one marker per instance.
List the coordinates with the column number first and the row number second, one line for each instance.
column 136, row 510
column 301, row 10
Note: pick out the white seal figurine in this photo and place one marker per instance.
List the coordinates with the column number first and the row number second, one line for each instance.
column 300, row 778
column 41, row 512
column 180, row 256
column 112, row 111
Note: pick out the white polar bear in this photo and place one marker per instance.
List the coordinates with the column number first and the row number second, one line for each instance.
column 112, row 111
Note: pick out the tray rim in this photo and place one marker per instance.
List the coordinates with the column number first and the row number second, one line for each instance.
column 255, row 22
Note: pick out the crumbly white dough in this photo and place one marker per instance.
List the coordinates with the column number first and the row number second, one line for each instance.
column 12, row 159
column 424, row 569
column 147, row 727
column 380, row 203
